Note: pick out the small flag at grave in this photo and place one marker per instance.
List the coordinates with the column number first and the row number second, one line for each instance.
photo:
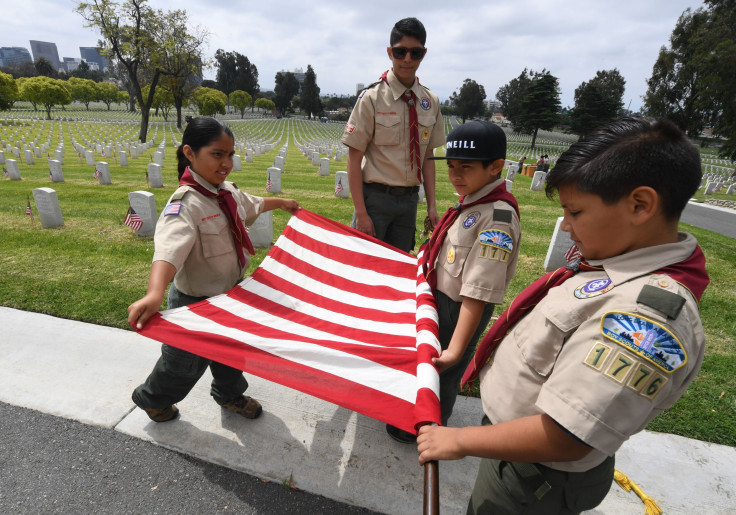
column 132, row 219
column 51, row 176
column 338, row 188
column 29, row 211
column 573, row 254
column 97, row 174
column 5, row 172
column 147, row 181
column 269, row 185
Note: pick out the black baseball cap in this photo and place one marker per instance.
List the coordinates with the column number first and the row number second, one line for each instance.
column 476, row 141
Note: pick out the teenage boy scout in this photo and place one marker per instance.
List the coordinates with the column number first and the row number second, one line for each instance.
column 588, row 354
column 395, row 125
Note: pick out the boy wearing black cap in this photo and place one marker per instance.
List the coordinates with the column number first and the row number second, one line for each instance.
column 472, row 254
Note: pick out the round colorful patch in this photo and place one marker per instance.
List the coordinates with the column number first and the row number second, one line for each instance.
column 593, row 288
column 471, row 219
column 425, row 103
column 425, row 135
column 451, row 255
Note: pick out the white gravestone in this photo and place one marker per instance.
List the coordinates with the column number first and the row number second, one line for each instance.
column 89, row 156
column 237, row 163
column 511, row 175
column 59, row 155
column 47, row 205
column 144, row 205
column 315, row 158
column 261, row 232
column 338, row 155
column 324, row 166
column 248, row 155
column 731, row 189
column 2, row 157
column 104, row 175
column 278, row 162
column 37, row 152
column 158, row 158
column 55, row 170
column 123, row 157
column 29, row 157
column 273, row 180
column 509, row 185
column 538, row 181
column 133, row 152
column 154, row 176
column 342, row 188
column 13, row 171
column 558, row 246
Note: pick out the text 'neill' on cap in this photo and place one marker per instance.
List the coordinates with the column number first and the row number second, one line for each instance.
column 476, row 141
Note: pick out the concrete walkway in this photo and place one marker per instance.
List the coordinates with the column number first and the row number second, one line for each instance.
column 86, row 373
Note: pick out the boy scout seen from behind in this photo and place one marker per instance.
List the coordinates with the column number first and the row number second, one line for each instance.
column 395, row 125
column 588, row 354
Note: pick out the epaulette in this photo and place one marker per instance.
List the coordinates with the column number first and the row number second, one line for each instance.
column 179, row 194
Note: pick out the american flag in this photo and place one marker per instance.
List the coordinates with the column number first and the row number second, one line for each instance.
column 147, row 182
column 269, row 185
column 330, row 312
column 29, row 211
column 97, row 174
column 573, row 254
column 338, row 187
column 5, row 172
column 133, row 220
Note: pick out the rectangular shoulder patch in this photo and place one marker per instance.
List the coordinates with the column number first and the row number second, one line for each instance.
column 172, row 209
column 662, row 300
column 502, row 215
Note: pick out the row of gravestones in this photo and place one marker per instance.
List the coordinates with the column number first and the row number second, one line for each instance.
column 538, row 181
column 144, row 205
column 260, row 233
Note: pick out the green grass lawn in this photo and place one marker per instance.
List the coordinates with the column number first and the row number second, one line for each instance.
column 93, row 267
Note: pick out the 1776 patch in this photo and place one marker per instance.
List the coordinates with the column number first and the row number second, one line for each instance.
column 593, row 288
column 471, row 219
column 651, row 341
column 425, row 103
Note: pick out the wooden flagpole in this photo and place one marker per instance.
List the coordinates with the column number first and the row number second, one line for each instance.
column 431, row 488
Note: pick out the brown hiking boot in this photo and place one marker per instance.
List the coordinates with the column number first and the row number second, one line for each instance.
column 243, row 405
column 162, row 415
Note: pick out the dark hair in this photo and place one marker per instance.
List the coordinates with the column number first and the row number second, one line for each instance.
column 200, row 132
column 408, row 27
column 618, row 157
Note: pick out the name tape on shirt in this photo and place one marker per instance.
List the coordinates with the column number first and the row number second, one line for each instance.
column 646, row 338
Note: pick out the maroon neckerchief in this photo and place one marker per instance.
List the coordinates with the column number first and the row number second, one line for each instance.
column 690, row 273
column 230, row 208
column 429, row 261
column 414, row 149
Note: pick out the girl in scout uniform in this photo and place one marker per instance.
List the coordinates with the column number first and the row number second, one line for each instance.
column 200, row 244
column 588, row 354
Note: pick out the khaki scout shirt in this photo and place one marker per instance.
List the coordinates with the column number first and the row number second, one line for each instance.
column 198, row 241
column 379, row 127
column 598, row 358
column 479, row 254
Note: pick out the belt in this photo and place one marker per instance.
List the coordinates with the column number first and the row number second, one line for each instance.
column 398, row 191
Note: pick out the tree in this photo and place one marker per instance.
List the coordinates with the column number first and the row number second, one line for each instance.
column 45, row 68
column 240, row 100
column 286, row 87
column 690, row 84
column 108, row 93
column 531, row 102
column 469, row 102
column 163, row 100
column 309, row 101
column 246, row 75
column 83, row 90
column 84, row 72
column 133, row 36
column 209, row 101
column 265, row 104
column 8, row 91
column 235, row 71
column 598, row 101
column 46, row 91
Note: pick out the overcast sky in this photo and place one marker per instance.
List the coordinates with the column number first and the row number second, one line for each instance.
column 490, row 42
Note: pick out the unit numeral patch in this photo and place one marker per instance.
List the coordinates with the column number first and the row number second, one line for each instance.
column 625, row 369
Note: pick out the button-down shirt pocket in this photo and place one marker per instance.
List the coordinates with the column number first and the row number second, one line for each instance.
column 554, row 322
column 388, row 129
column 215, row 236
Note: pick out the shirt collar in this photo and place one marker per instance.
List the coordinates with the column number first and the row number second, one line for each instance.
column 637, row 263
column 202, row 182
column 398, row 89
column 485, row 190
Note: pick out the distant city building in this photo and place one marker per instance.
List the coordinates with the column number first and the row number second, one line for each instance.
column 359, row 87
column 493, row 106
column 72, row 63
column 299, row 74
column 14, row 55
column 92, row 55
column 46, row 50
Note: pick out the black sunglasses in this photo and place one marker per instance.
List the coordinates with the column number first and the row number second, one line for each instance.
column 416, row 53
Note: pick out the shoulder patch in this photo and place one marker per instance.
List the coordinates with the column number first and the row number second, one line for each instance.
column 498, row 239
column 471, row 219
column 662, row 300
column 593, row 288
column 646, row 338
column 502, row 215
column 172, row 209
